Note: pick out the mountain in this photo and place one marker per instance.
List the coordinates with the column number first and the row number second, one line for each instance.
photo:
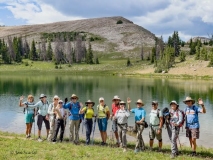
column 202, row 39
column 123, row 37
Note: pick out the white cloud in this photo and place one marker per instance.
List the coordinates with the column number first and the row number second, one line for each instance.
column 33, row 13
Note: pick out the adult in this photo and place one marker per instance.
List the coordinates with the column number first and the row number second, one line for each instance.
column 74, row 107
column 29, row 114
column 43, row 116
column 121, row 116
column 52, row 116
column 60, row 116
column 173, row 128
column 192, row 121
column 140, row 115
column 156, row 124
column 103, row 116
column 115, row 108
column 89, row 113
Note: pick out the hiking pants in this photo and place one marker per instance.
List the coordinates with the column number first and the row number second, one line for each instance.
column 74, row 126
column 139, row 143
column 59, row 124
column 52, row 128
column 173, row 132
column 122, row 134
column 88, row 126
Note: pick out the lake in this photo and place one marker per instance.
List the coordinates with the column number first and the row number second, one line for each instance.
column 93, row 87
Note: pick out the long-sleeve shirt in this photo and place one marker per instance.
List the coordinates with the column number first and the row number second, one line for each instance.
column 43, row 107
column 51, row 110
column 74, row 109
column 176, row 117
column 122, row 116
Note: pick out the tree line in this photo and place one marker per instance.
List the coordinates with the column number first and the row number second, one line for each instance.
column 17, row 48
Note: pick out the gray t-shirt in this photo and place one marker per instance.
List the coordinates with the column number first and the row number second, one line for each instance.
column 154, row 120
column 122, row 116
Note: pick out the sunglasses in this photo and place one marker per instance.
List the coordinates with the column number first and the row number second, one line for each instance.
column 122, row 104
column 101, row 101
column 60, row 103
column 187, row 101
column 73, row 98
column 56, row 99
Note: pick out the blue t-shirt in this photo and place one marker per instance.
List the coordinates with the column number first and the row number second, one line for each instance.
column 139, row 113
column 27, row 109
column 192, row 120
column 74, row 109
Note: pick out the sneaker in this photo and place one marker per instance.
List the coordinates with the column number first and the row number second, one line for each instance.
column 173, row 155
column 193, row 153
column 102, row 143
column 124, row 150
column 39, row 139
column 53, row 142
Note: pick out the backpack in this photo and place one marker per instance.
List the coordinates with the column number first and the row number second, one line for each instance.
column 184, row 115
column 166, row 116
column 158, row 110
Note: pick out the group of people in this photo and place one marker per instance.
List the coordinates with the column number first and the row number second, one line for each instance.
column 54, row 116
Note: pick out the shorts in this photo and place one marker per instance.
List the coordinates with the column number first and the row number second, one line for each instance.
column 29, row 118
column 153, row 133
column 114, row 126
column 40, row 120
column 102, row 124
column 193, row 133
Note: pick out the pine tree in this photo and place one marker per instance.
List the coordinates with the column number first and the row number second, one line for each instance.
column 49, row 51
column 89, row 56
column 4, row 51
column 96, row 60
column 17, row 49
column 128, row 63
column 211, row 58
column 33, row 53
column 182, row 56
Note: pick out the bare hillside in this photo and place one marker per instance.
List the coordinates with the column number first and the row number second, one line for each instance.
column 117, row 37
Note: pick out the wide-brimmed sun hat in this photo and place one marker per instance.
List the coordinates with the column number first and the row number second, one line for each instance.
column 140, row 101
column 189, row 99
column 42, row 96
column 174, row 102
column 116, row 98
column 74, row 96
column 60, row 101
column 56, row 97
column 89, row 102
column 101, row 99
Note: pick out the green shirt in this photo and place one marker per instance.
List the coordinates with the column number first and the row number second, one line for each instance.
column 102, row 111
column 89, row 112
column 154, row 120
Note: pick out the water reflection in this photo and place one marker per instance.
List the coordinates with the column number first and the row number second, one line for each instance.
column 92, row 87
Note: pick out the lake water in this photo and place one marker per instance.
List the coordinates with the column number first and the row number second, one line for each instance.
column 93, row 87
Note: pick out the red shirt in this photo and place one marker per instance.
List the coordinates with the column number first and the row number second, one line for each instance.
column 115, row 108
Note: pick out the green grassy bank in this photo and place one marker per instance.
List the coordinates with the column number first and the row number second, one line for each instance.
column 14, row 147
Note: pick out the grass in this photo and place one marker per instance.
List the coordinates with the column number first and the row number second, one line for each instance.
column 14, row 146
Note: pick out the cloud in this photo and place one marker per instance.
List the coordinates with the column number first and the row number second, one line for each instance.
column 34, row 13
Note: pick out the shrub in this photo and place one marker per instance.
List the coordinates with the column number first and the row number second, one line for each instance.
column 119, row 22
column 56, row 67
column 26, row 64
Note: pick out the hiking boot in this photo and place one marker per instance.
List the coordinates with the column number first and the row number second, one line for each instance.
column 193, row 154
column 173, row 155
column 159, row 150
column 118, row 144
column 137, row 150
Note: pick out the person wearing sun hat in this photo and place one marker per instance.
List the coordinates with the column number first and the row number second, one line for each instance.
column 42, row 106
column 115, row 107
column 89, row 113
column 173, row 128
column 103, row 116
column 52, row 117
column 74, row 107
column 156, row 125
column 192, row 121
column 140, row 115
column 122, row 118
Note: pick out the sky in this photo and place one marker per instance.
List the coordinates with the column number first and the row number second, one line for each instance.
column 190, row 18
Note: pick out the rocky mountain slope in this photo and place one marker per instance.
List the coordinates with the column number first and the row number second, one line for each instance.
column 123, row 37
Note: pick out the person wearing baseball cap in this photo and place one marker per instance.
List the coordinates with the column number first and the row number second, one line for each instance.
column 103, row 116
column 156, row 125
column 192, row 121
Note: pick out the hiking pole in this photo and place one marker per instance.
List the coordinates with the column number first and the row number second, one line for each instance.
column 93, row 131
column 179, row 142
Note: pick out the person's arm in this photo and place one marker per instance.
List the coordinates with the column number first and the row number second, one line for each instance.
column 20, row 102
column 82, row 110
column 107, row 112
column 127, row 114
column 66, row 105
column 180, row 118
column 200, row 102
column 35, row 105
column 128, row 104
